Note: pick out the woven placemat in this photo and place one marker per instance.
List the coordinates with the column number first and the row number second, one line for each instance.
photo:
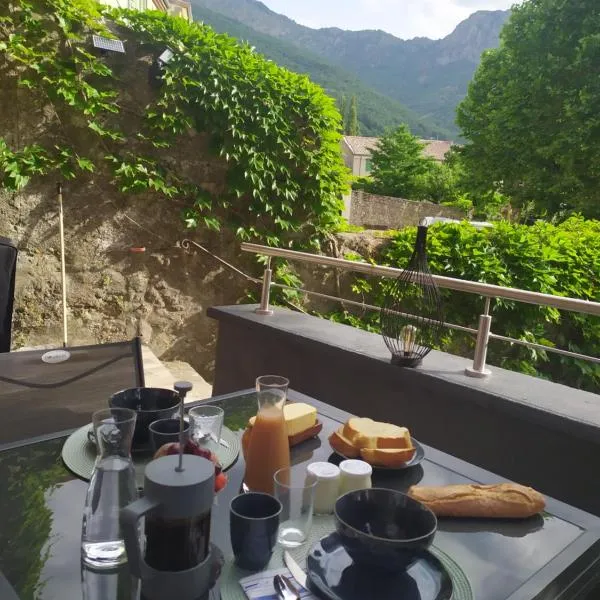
column 79, row 454
column 322, row 526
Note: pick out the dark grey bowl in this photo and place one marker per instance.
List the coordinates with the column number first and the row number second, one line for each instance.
column 150, row 404
column 384, row 528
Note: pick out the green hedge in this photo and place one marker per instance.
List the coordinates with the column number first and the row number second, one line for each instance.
column 563, row 260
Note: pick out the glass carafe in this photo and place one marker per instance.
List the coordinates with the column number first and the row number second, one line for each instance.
column 111, row 488
column 268, row 449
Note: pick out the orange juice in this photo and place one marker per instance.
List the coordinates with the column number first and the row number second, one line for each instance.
column 268, row 449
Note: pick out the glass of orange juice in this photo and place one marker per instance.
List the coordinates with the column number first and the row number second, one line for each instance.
column 268, row 449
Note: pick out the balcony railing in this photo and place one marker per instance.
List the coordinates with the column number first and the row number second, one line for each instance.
column 486, row 291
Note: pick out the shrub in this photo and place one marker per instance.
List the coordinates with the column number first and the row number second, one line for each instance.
column 562, row 260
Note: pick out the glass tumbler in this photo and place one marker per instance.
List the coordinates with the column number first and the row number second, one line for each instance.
column 111, row 488
column 296, row 492
column 206, row 424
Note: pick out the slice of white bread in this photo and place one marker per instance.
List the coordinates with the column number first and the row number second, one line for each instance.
column 366, row 433
column 387, row 457
column 343, row 445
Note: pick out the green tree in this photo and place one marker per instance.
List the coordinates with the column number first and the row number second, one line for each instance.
column 531, row 113
column 353, row 127
column 343, row 107
column 398, row 165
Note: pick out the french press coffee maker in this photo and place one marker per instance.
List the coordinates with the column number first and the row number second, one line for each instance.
column 178, row 560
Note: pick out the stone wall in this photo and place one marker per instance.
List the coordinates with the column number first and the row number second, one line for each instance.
column 110, row 289
column 384, row 212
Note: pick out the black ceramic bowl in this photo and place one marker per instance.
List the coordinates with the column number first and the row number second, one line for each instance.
column 383, row 528
column 150, row 404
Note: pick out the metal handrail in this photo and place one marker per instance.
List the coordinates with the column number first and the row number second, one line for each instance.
column 460, row 285
column 487, row 291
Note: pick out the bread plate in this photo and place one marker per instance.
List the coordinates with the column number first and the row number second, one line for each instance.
column 413, row 462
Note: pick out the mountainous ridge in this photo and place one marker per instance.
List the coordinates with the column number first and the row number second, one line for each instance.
column 377, row 112
column 430, row 77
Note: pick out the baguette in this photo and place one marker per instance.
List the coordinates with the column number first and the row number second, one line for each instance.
column 503, row 500
column 387, row 457
column 342, row 444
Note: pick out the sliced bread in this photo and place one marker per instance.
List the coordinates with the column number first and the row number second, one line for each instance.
column 342, row 444
column 387, row 457
column 366, row 433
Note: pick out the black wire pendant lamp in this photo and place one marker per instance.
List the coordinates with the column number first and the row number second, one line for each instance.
column 412, row 315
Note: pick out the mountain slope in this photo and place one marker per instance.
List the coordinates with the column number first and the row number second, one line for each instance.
column 428, row 76
column 377, row 112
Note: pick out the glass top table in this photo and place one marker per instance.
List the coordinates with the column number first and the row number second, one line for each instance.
column 556, row 554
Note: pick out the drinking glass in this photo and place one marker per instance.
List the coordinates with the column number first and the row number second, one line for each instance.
column 111, row 488
column 296, row 492
column 166, row 431
column 207, row 423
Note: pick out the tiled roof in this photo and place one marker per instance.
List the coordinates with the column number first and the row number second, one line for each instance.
column 363, row 146
column 360, row 145
column 436, row 148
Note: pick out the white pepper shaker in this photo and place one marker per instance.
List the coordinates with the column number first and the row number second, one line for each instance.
column 354, row 475
column 328, row 486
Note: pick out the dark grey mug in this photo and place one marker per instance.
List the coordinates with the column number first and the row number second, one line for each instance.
column 253, row 523
column 165, row 431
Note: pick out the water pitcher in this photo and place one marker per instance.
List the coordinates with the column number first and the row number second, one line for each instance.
column 112, row 487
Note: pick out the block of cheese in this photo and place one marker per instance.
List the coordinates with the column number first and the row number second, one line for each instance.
column 299, row 417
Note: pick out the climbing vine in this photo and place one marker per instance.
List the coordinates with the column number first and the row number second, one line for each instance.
column 276, row 133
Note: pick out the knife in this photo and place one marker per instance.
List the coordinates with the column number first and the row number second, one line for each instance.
column 284, row 588
column 297, row 573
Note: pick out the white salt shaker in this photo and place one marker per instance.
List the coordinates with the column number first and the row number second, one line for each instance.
column 354, row 475
column 328, row 486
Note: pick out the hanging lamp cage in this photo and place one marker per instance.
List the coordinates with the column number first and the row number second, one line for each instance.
column 412, row 315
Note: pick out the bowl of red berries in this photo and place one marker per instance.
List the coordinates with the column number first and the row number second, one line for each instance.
column 192, row 447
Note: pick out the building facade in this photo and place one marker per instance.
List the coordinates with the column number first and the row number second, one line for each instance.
column 357, row 152
column 177, row 8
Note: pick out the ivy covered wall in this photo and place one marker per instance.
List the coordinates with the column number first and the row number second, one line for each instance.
column 218, row 141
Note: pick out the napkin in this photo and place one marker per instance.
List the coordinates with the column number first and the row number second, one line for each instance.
column 260, row 586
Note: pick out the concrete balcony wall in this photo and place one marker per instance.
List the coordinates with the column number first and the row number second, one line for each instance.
column 526, row 429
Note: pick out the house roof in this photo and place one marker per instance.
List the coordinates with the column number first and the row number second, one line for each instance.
column 360, row 145
column 363, row 146
column 436, row 149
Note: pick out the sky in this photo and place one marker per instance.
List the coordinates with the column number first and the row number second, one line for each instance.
column 405, row 19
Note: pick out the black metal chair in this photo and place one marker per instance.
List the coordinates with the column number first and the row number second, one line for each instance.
column 8, row 269
column 40, row 394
